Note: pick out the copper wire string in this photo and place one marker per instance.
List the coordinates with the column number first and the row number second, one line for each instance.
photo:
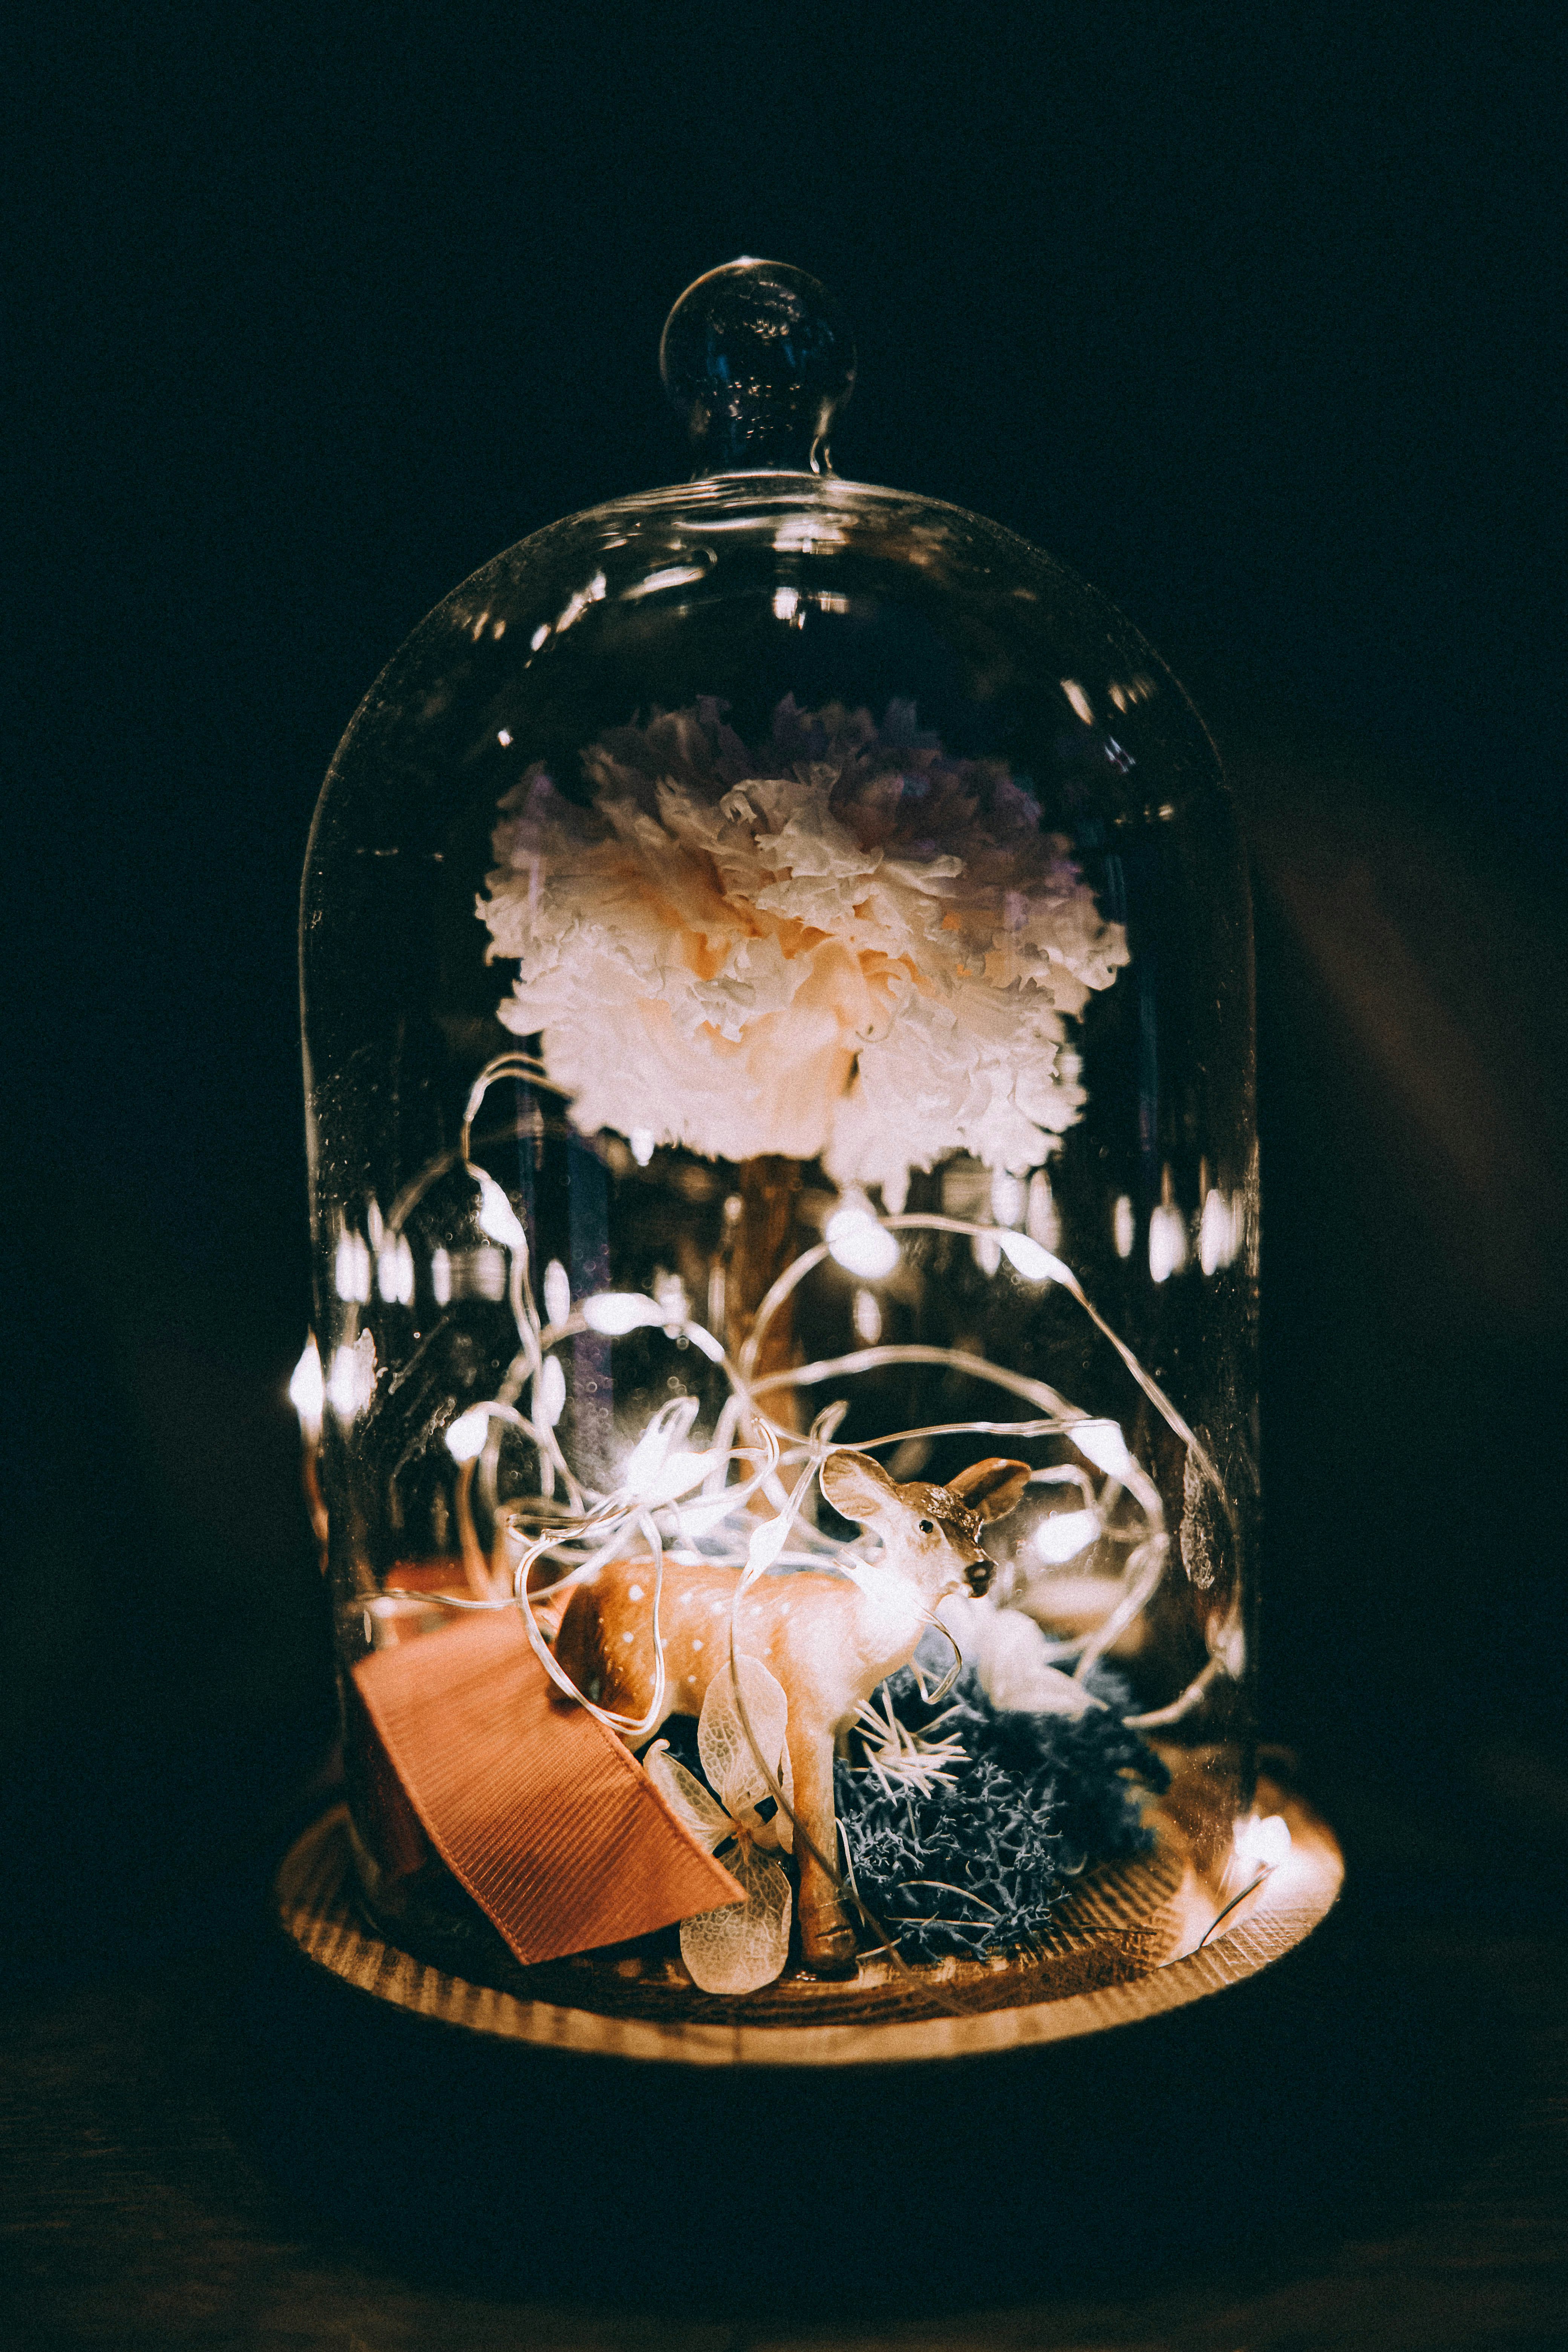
column 594, row 1527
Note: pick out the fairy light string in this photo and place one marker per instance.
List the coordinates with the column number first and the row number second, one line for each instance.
column 593, row 1528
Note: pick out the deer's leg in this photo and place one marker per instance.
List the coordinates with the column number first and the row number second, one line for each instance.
column 828, row 1940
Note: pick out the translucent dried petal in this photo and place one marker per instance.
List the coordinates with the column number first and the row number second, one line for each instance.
column 745, row 1945
column 727, row 1754
column 688, row 1801
column 777, row 1830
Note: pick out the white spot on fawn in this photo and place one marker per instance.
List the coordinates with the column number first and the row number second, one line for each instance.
column 634, row 1593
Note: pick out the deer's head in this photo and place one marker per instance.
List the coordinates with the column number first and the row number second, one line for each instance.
column 932, row 1533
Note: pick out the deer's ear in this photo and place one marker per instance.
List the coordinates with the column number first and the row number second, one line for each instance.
column 991, row 1487
column 856, row 1485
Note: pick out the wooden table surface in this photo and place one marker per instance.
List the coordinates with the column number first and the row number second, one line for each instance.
column 1367, row 2149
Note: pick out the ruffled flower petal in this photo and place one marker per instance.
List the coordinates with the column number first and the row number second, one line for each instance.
column 843, row 944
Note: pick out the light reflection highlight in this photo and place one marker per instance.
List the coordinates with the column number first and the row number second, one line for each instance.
column 351, row 1269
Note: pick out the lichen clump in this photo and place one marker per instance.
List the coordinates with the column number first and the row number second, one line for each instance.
column 980, row 1860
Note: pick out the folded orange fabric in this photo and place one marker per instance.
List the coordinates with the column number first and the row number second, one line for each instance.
column 549, row 1821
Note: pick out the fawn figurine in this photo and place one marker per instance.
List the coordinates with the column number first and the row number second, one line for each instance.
column 828, row 1639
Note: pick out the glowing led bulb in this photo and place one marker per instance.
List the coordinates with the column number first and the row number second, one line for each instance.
column 670, row 1292
column 1167, row 1243
column 351, row 1383
column 1219, row 1230
column 1064, row 1534
column 666, row 1428
column 1034, row 1264
column 858, row 1243
column 557, row 1293
column 1102, row 1442
column 616, row 1311
column 1265, row 1843
column 1041, row 1221
column 1167, row 1233
column 497, row 1216
column 660, row 1469
column 394, row 1271
column 767, row 1543
column 307, row 1391
column 466, row 1437
column 351, row 1269
column 551, row 1395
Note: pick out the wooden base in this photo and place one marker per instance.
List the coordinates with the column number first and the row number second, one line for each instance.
column 1137, row 1939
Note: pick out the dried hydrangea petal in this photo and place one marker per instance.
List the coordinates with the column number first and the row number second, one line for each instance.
column 728, row 1758
column 699, row 1813
column 745, row 1945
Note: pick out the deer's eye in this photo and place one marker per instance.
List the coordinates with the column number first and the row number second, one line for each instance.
column 928, row 1526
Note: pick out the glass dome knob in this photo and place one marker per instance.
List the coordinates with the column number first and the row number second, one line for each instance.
column 758, row 360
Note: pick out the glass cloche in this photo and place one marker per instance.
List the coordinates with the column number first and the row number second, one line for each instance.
column 777, row 984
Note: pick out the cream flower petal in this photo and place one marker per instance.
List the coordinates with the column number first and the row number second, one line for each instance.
column 707, row 950
column 743, row 1946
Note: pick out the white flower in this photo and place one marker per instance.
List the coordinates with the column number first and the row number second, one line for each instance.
column 740, row 1946
column 845, row 944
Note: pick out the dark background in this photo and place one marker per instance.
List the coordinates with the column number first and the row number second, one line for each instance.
column 1245, row 313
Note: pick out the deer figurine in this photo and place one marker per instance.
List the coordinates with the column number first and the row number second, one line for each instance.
column 828, row 1639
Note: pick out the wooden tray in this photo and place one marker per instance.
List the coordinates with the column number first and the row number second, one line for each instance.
column 1137, row 1939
